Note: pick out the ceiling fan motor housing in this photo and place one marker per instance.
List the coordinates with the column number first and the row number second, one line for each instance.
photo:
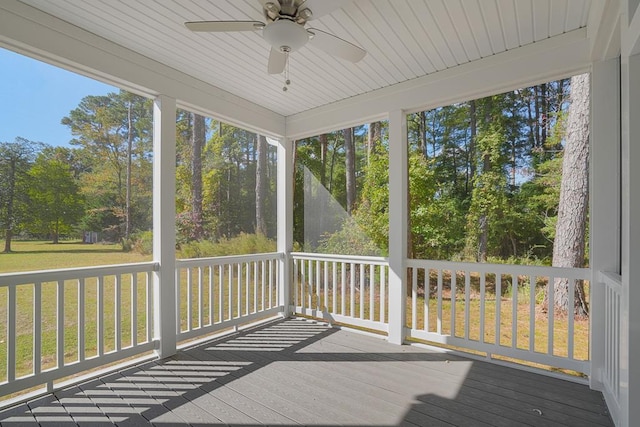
column 285, row 33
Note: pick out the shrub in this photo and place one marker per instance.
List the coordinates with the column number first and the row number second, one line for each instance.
column 197, row 249
column 239, row 245
column 141, row 243
column 351, row 239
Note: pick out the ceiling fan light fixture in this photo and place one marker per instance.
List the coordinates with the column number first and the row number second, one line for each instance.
column 285, row 33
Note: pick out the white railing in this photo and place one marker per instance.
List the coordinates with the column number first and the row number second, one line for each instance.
column 612, row 284
column 58, row 323
column 342, row 288
column 222, row 292
column 498, row 309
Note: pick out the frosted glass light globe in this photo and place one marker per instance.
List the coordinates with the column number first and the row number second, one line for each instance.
column 285, row 33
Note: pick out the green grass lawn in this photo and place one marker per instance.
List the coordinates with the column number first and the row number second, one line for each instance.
column 43, row 255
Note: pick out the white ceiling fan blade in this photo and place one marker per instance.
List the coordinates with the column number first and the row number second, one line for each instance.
column 335, row 45
column 322, row 7
column 223, row 26
column 277, row 61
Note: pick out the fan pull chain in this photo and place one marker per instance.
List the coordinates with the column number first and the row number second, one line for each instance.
column 287, row 82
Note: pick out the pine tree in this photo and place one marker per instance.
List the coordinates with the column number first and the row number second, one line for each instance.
column 569, row 242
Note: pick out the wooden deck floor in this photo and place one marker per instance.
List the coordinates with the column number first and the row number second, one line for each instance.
column 297, row 372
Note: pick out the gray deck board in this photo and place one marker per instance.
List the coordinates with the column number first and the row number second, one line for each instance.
column 297, row 372
column 575, row 399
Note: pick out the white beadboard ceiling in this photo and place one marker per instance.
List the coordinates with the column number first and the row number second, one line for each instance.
column 405, row 39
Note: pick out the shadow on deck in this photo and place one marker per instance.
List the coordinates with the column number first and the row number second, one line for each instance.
column 297, row 372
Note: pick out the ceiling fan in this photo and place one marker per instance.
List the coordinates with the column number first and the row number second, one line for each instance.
column 285, row 31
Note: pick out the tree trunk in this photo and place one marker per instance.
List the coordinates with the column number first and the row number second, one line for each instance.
column 261, row 185
column 10, row 200
column 514, row 154
column 372, row 139
column 544, row 104
column 198, row 137
column 410, row 237
column 569, row 242
column 294, row 165
column 530, row 121
column 483, row 221
column 56, row 233
column 514, row 165
column 377, row 135
column 536, row 106
column 127, row 209
column 227, row 214
column 332, row 166
column 423, row 134
column 483, row 244
column 8, row 235
column 350, row 164
column 323, row 159
column 473, row 124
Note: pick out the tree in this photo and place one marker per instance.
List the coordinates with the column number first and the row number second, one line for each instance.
column 55, row 197
column 487, row 205
column 488, row 194
column 229, row 190
column 471, row 152
column 138, row 126
column 423, row 133
column 15, row 160
column 261, row 185
column 482, row 177
column 114, row 130
column 373, row 139
column 372, row 214
column 197, row 142
column 324, row 145
column 350, row 168
column 569, row 243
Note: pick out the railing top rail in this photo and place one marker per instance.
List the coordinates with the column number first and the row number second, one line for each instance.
column 201, row 262
column 531, row 270
column 610, row 279
column 25, row 277
column 334, row 257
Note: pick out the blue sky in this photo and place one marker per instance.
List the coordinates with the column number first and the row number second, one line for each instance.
column 35, row 96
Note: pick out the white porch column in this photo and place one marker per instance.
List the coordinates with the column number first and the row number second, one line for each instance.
column 398, row 214
column 164, row 216
column 630, row 328
column 604, row 211
column 285, row 220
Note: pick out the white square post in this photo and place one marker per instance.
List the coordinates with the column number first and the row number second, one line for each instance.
column 285, row 183
column 164, row 230
column 630, row 315
column 629, row 381
column 604, row 210
column 398, row 216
